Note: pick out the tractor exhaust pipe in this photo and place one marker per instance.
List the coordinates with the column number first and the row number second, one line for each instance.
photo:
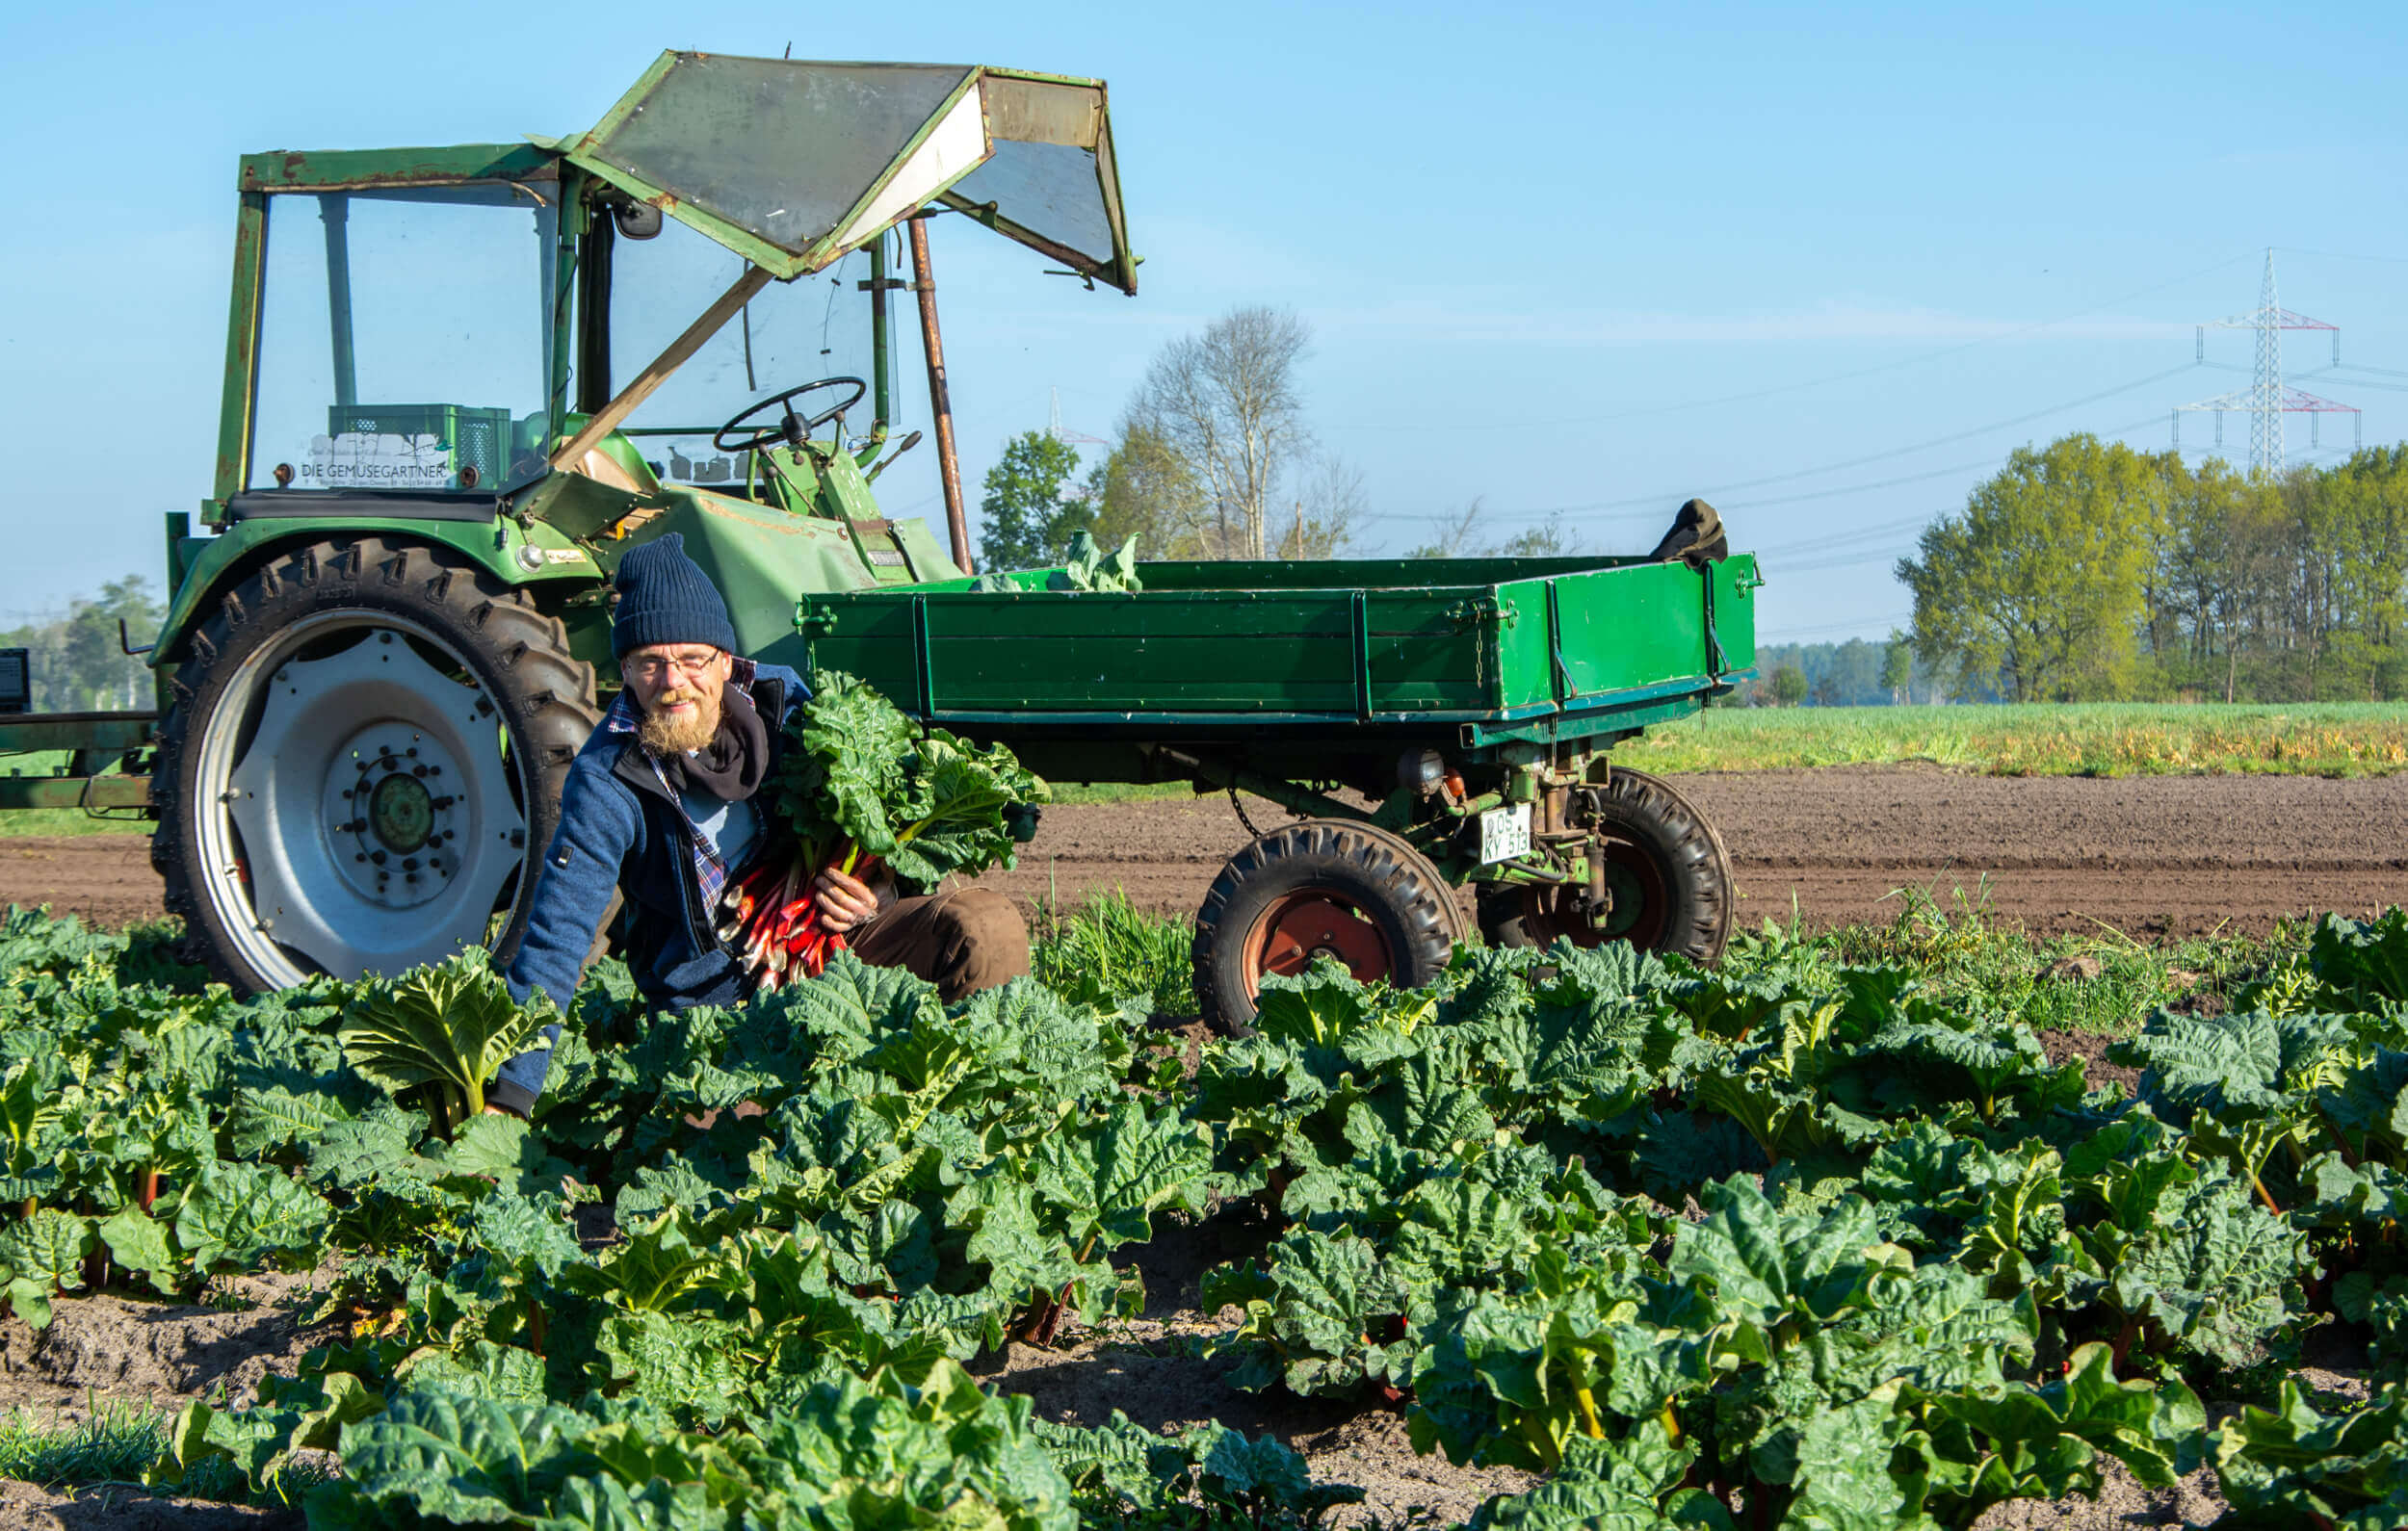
column 940, row 398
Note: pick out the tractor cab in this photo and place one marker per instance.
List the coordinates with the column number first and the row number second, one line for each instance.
column 405, row 337
column 684, row 318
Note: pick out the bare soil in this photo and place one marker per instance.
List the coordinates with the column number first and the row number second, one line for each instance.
column 112, row 1346
column 2090, row 1047
column 119, row 1507
column 2148, row 855
column 2152, row 856
column 106, row 879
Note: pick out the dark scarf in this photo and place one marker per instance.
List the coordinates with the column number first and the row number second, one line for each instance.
column 730, row 767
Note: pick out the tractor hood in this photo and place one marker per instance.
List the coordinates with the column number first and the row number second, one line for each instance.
column 793, row 163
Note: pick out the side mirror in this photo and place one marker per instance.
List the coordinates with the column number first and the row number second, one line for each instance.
column 636, row 219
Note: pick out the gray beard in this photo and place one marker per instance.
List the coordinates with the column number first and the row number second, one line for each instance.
column 662, row 739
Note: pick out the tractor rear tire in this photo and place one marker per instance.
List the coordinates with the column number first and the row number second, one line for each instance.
column 1665, row 863
column 1317, row 887
column 362, row 758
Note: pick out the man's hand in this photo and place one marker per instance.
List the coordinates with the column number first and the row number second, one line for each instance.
column 844, row 902
column 491, row 1110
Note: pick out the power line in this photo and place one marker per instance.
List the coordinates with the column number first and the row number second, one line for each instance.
column 1811, row 382
column 1962, row 435
column 1852, row 560
column 1833, row 544
column 1656, row 502
column 2343, row 255
column 2368, row 382
column 1864, row 488
column 1791, row 634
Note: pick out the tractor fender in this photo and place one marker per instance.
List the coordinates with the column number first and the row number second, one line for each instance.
column 535, row 555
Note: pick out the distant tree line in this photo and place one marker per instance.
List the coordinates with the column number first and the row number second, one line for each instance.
column 2087, row 571
column 1861, row 672
column 76, row 661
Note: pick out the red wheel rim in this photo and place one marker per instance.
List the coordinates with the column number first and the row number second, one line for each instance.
column 1307, row 923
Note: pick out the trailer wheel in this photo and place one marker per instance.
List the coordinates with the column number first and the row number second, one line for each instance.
column 1320, row 887
column 362, row 745
column 1666, row 869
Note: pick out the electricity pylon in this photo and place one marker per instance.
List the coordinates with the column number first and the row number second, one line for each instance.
column 2265, row 399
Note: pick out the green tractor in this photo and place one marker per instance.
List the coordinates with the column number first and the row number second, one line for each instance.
column 382, row 647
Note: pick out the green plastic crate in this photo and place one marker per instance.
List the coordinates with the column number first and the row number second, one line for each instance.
column 478, row 439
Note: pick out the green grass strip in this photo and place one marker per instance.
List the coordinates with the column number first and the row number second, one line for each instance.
column 116, row 1443
column 2088, row 739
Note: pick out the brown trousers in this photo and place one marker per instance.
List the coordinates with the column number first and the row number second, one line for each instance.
column 963, row 942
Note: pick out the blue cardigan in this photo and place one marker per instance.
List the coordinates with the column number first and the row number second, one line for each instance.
column 620, row 830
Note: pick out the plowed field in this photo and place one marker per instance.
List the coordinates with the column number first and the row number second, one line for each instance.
column 2154, row 855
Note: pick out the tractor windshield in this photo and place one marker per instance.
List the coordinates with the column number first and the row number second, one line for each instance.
column 791, row 333
column 403, row 339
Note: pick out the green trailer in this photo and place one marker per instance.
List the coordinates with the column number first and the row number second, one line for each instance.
column 462, row 382
column 1465, row 704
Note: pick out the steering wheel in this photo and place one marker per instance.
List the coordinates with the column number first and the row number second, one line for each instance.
column 791, row 429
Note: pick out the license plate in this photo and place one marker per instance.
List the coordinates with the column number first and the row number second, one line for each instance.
column 1505, row 833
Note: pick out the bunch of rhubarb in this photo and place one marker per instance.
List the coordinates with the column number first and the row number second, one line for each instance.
column 859, row 787
column 773, row 919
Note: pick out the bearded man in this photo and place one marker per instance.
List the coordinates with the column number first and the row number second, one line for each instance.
column 661, row 808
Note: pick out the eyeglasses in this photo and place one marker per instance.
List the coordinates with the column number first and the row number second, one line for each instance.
column 650, row 668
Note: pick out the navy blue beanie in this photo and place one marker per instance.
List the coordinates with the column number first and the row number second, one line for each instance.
column 664, row 597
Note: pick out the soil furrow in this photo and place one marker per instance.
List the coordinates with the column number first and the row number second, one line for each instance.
column 2157, row 855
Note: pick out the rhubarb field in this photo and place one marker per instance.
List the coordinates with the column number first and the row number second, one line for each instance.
column 1791, row 1242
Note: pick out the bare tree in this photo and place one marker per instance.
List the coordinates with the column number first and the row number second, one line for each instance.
column 1461, row 538
column 1328, row 506
column 1455, row 540
column 1547, row 540
column 1226, row 402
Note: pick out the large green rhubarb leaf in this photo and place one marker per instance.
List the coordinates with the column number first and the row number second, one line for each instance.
column 2153, row 1428
column 2292, row 1467
column 1325, row 1315
column 240, row 1215
column 2214, row 1273
column 475, row 1461
column 139, row 1242
column 1610, row 1485
column 452, row 1024
column 41, row 1254
column 962, row 826
column 2364, row 960
column 1763, row 1264
column 847, row 769
column 1101, row 1185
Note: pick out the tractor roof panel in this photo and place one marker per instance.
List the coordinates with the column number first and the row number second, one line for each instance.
column 793, row 163
column 366, row 170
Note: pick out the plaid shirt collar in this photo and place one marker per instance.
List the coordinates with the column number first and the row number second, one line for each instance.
column 710, row 872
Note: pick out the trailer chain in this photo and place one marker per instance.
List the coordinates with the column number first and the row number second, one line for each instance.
column 1241, row 818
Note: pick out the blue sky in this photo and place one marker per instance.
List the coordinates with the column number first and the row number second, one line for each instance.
column 1824, row 265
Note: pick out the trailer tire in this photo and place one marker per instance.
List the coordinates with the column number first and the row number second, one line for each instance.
column 1321, row 885
column 1664, row 861
column 311, row 674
